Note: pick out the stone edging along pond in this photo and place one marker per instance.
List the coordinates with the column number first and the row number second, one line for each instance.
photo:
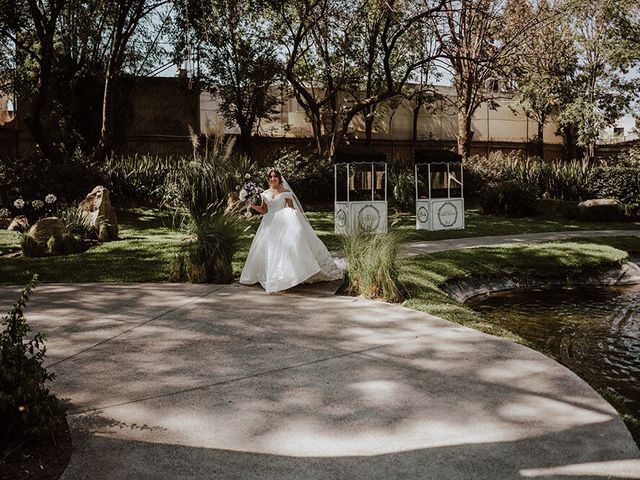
column 463, row 289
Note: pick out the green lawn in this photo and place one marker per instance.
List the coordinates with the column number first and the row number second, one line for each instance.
column 476, row 225
column 149, row 243
column 479, row 225
column 143, row 254
column 9, row 241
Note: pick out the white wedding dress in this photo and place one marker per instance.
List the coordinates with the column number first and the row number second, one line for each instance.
column 286, row 251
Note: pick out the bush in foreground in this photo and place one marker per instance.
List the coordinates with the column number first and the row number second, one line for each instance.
column 28, row 411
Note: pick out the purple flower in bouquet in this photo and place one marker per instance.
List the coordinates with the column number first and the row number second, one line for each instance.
column 249, row 193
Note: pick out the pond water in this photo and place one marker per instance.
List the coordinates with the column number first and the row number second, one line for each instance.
column 594, row 331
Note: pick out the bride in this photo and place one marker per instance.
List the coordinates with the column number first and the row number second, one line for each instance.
column 285, row 250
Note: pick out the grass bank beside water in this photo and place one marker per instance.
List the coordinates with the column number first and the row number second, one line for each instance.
column 423, row 276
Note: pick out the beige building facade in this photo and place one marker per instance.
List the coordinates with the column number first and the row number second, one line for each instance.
column 506, row 124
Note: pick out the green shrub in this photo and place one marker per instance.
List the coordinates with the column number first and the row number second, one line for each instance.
column 215, row 239
column 54, row 245
column 403, row 189
column 28, row 411
column 617, row 181
column 205, row 180
column 480, row 172
column 565, row 180
column 65, row 244
column 529, row 173
column 309, row 175
column 31, row 247
column 187, row 184
column 33, row 177
column 178, row 268
column 372, row 269
column 509, row 199
column 25, row 177
column 138, row 178
column 559, row 180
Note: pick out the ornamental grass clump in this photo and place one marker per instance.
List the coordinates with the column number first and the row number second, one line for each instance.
column 28, row 411
column 204, row 180
column 78, row 222
column 372, row 269
column 213, row 240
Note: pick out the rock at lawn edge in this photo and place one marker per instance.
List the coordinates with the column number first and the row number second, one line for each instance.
column 19, row 224
column 601, row 209
column 103, row 217
column 46, row 228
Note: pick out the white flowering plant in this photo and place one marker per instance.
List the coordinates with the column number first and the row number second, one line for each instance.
column 4, row 213
column 34, row 209
column 249, row 193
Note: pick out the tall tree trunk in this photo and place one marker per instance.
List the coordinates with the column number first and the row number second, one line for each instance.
column 540, row 146
column 106, row 140
column 590, row 153
column 339, row 132
column 331, row 150
column 45, row 21
column 368, row 126
column 246, row 139
column 34, row 121
column 464, row 134
column 570, row 147
column 316, row 126
column 414, row 128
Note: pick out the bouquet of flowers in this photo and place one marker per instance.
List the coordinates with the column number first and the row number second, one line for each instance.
column 249, row 193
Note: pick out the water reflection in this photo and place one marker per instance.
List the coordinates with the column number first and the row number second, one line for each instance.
column 595, row 331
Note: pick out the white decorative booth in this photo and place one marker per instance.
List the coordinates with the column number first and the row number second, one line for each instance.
column 360, row 201
column 439, row 195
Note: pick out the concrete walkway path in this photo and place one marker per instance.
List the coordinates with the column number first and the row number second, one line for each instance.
column 422, row 248
column 173, row 381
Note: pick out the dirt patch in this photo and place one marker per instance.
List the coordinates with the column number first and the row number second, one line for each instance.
column 43, row 461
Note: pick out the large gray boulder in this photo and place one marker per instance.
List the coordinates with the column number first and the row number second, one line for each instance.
column 97, row 205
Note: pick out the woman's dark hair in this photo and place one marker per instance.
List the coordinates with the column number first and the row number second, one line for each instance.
column 278, row 174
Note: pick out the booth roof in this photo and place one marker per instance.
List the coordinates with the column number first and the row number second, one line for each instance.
column 354, row 154
column 436, row 155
